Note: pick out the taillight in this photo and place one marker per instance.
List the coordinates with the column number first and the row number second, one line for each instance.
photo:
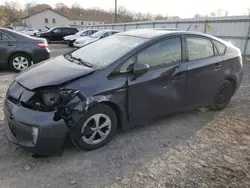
column 43, row 45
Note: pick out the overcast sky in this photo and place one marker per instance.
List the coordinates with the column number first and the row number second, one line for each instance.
column 182, row 8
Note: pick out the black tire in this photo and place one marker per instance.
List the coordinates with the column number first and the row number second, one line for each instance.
column 70, row 43
column 103, row 109
column 223, row 95
column 13, row 58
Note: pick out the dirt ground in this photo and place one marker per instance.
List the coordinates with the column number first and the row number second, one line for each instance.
column 195, row 149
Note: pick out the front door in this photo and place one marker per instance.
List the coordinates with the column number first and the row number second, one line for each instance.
column 56, row 34
column 162, row 89
column 7, row 45
column 204, row 70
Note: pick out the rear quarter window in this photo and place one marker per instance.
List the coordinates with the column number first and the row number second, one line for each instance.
column 221, row 48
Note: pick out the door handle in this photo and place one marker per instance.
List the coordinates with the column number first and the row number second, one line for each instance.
column 10, row 44
column 217, row 66
column 178, row 76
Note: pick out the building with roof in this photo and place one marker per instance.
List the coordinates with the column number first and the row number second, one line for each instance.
column 50, row 18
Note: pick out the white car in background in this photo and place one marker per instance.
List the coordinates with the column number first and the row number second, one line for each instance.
column 70, row 39
column 96, row 36
column 30, row 31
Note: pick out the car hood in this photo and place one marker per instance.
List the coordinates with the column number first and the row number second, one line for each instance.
column 52, row 72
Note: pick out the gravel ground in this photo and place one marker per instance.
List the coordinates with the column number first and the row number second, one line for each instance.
column 195, row 149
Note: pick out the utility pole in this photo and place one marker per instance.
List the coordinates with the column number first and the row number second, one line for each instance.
column 115, row 11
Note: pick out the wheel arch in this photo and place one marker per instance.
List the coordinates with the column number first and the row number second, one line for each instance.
column 233, row 81
column 117, row 111
column 19, row 52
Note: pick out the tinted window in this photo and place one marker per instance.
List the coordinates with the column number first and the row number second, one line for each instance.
column 66, row 30
column 4, row 37
column 104, row 52
column 73, row 30
column 220, row 47
column 58, row 30
column 199, row 48
column 162, row 53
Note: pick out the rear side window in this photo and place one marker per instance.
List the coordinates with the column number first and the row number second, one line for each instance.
column 4, row 37
column 73, row 30
column 199, row 48
column 221, row 48
column 65, row 30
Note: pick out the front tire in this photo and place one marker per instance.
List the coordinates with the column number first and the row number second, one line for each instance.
column 98, row 126
column 19, row 62
column 223, row 96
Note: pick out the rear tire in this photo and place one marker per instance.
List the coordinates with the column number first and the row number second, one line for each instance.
column 47, row 39
column 223, row 96
column 19, row 62
column 96, row 135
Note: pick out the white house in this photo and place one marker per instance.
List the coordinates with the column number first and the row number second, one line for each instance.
column 51, row 18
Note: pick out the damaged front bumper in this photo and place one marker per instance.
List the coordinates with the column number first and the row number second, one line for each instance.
column 19, row 123
column 38, row 131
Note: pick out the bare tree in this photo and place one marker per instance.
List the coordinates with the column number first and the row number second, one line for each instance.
column 77, row 9
column 33, row 8
column 218, row 13
column 2, row 16
column 13, row 14
column 61, row 7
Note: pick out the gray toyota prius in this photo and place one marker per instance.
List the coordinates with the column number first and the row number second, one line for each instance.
column 128, row 79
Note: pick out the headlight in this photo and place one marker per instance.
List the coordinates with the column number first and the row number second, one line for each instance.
column 51, row 98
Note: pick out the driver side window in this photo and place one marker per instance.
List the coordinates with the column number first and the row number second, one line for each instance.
column 162, row 53
column 56, row 30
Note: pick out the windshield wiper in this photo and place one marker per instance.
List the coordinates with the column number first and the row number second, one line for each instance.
column 87, row 64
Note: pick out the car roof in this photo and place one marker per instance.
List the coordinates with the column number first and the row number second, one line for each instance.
column 158, row 32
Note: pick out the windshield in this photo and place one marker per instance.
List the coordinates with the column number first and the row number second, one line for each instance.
column 79, row 33
column 97, row 34
column 50, row 30
column 104, row 52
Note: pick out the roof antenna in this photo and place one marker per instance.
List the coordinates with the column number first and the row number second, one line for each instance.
column 189, row 27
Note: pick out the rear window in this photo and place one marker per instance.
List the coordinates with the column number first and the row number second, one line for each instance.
column 220, row 47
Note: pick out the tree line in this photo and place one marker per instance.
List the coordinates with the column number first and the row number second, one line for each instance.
column 11, row 13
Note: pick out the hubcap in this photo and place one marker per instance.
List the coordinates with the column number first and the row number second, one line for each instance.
column 223, row 95
column 96, row 129
column 20, row 63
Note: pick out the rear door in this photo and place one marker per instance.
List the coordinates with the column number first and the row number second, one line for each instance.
column 7, row 46
column 204, row 70
column 162, row 89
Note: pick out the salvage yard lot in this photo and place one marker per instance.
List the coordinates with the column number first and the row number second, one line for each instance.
column 195, row 149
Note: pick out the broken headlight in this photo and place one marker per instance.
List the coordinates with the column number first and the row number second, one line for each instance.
column 54, row 99
column 51, row 98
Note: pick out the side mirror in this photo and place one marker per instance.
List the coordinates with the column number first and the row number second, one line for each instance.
column 140, row 69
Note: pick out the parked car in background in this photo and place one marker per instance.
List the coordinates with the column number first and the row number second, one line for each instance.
column 96, row 36
column 128, row 79
column 29, row 31
column 57, row 34
column 19, row 51
column 9, row 27
column 70, row 39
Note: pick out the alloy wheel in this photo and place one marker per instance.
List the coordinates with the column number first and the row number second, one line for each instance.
column 96, row 129
column 20, row 63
